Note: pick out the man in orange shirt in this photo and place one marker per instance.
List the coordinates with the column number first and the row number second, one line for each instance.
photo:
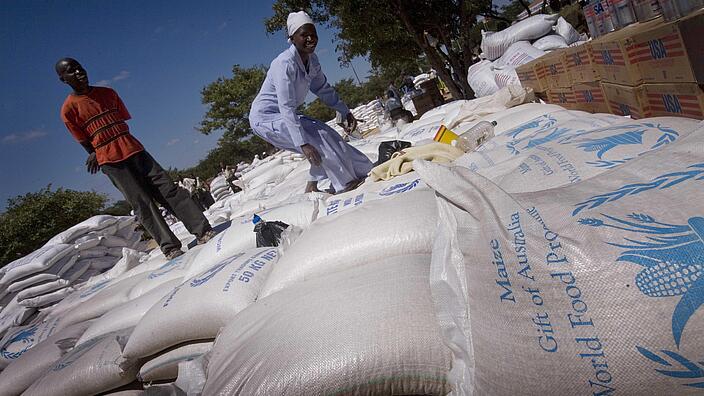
column 96, row 117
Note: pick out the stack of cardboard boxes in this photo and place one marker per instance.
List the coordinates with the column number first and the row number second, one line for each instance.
column 646, row 69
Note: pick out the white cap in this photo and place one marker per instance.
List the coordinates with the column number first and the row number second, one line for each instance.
column 296, row 20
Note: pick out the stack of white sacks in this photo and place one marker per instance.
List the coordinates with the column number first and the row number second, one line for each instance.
column 516, row 45
column 541, row 253
column 369, row 116
column 32, row 286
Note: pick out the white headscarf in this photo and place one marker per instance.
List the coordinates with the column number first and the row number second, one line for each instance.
column 296, row 20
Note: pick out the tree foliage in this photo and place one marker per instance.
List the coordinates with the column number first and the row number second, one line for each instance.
column 229, row 100
column 396, row 31
column 32, row 219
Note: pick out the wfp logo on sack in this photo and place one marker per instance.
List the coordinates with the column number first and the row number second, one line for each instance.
column 672, row 259
column 210, row 273
column 19, row 343
column 399, row 188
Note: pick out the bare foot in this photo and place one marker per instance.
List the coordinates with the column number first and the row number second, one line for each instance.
column 312, row 186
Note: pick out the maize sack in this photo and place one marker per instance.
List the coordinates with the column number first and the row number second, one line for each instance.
column 592, row 288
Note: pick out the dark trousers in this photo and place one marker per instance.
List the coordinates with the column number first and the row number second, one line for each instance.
column 142, row 181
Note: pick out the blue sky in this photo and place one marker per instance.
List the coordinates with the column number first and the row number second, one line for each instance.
column 158, row 55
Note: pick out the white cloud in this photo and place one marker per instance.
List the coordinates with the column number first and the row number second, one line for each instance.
column 222, row 26
column 32, row 134
column 196, row 141
column 172, row 142
column 123, row 74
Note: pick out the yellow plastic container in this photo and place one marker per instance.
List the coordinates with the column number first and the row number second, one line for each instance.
column 444, row 135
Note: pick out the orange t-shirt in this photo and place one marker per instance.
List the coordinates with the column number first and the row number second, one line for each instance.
column 99, row 117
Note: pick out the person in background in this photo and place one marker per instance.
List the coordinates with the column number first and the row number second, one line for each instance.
column 273, row 114
column 96, row 117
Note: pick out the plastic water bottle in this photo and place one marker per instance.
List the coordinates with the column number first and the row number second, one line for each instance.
column 475, row 136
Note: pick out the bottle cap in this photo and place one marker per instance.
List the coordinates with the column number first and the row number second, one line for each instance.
column 493, row 123
column 256, row 219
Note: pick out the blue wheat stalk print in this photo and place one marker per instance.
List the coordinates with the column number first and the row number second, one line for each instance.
column 602, row 145
column 693, row 172
column 672, row 257
column 681, row 367
column 542, row 123
column 668, row 136
column 608, row 164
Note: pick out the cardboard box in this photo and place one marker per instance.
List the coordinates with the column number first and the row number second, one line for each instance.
column 670, row 53
column 683, row 100
column 590, row 97
column 555, row 70
column 624, row 100
column 563, row 97
column 529, row 75
column 610, row 56
column 425, row 102
column 578, row 61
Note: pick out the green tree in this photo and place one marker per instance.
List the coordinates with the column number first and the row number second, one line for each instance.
column 32, row 219
column 229, row 100
column 318, row 110
column 399, row 31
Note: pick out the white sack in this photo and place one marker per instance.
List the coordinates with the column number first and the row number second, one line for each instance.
column 112, row 241
column 46, row 299
column 129, row 260
column 366, row 330
column 95, row 223
column 240, row 236
column 96, row 251
column 550, row 42
column 30, row 281
column 381, row 228
column 13, row 314
column 87, row 241
column 518, row 54
column 174, row 269
column 34, row 362
column 19, row 340
column 370, row 191
column 91, row 368
column 58, row 269
column 569, row 147
column 199, row 307
column 101, row 263
column 564, row 29
column 44, row 288
column 494, row 44
column 480, row 77
column 166, row 366
column 128, row 314
column 260, row 170
column 505, row 76
column 37, row 261
column 102, row 296
column 274, row 175
column 591, row 288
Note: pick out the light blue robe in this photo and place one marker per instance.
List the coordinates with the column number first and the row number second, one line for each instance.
column 273, row 117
